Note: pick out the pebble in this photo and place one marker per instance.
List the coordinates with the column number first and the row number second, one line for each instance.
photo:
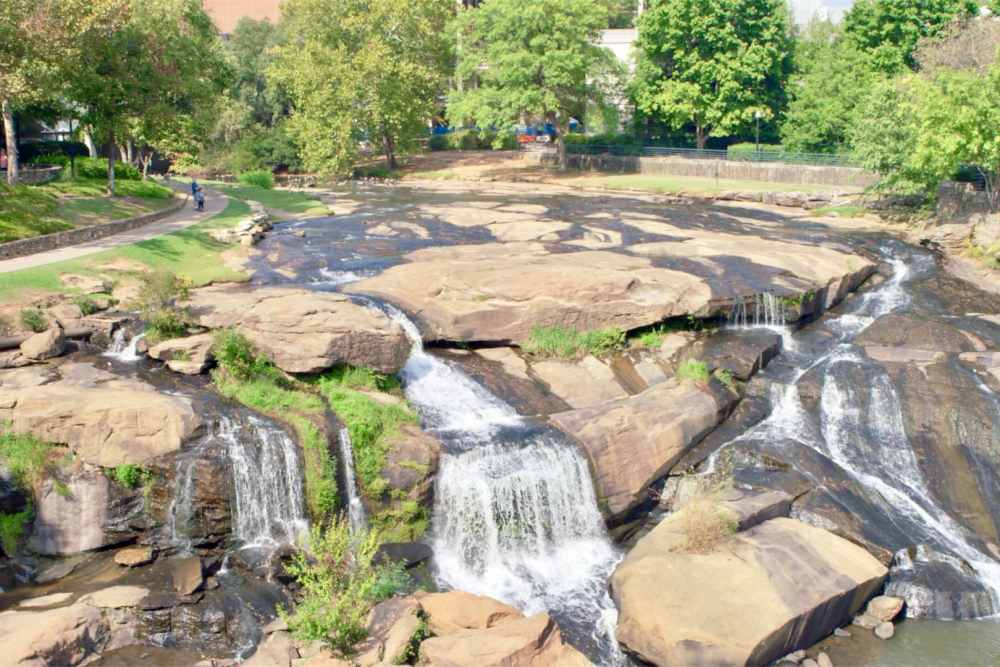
column 793, row 658
column 840, row 632
column 865, row 621
column 885, row 630
column 823, row 660
column 809, row 662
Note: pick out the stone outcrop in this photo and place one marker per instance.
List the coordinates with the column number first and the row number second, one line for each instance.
column 795, row 584
column 70, row 517
column 581, row 384
column 186, row 574
column 457, row 611
column 411, row 463
column 104, row 420
column 45, row 345
column 63, row 636
column 135, row 556
column 304, row 331
column 189, row 355
column 393, row 626
column 632, row 442
column 500, row 291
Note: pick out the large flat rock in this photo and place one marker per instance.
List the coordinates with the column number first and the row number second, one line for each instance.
column 500, row 291
column 756, row 596
column 64, row 636
column 105, row 421
column 633, row 441
column 304, row 331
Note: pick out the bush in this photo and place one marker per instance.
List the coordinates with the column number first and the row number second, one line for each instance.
column 340, row 584
column 236, row 356
column 30, row 151
column 159, row 292
column 260, row 148
column 25, row 457
column 33, row 320
column 260, row 179
column 746, row 150
column 438, row 142
column 705, row 525
column 86, row 305
column 128, row 475
column 12, row 528
column 473, row 140
column 97, row 168
column 693, row 370
column 571, row 344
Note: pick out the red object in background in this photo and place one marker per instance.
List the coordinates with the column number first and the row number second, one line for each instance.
column 525, row 139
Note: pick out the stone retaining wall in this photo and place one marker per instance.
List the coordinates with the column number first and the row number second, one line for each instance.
column 959, row 202
column 32, row 246
column 35, row 175
column 772, row 172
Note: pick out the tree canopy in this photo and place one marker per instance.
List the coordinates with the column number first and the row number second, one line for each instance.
column 361, row 70
column 714, row 66
column 530, row 62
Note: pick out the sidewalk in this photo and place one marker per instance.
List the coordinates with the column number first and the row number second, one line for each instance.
column 215, row 202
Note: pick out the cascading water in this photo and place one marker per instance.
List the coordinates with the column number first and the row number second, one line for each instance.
column 763, row 311
column 355, row 508
column 270, row 504
column 515, row 514
column 860, row 428
column 123, row 348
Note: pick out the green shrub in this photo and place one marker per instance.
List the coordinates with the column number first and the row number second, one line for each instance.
column 261, row 179
column 438, row 142
column 86, row 305
column 567, row 343
column 746, row 150
column 128, row 475
column 237, row 356
column 88, row 167
column 12, row 528
column 159, row 292
column 356, row 377
column 374, row 171
column 473, row 140
column 693, row 370
column 33, row 320
column 24, row 456
column 725, row 377
column 339, row 584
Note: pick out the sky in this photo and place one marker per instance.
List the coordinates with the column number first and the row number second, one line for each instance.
column 807, row 9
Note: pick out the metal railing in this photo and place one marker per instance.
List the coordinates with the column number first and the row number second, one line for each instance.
column 816, row 159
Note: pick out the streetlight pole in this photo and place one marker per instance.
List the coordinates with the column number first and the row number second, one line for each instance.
column 756, row 115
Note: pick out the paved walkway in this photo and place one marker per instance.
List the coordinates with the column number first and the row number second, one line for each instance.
column 215, row 202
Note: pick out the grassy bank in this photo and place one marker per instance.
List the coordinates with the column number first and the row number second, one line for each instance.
column 33, row 210
column 688, row 184
column 287, row 201
column 191, row 253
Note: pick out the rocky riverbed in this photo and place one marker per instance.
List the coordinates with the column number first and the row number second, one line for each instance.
column 792, row 444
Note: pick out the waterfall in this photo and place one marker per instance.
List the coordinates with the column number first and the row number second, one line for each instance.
column 124, row 348
column 181, row 506
column 515, row 515
column 762, row 311
column 355, row 508
column 270, row 504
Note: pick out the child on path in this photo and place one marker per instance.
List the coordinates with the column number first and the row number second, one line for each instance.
column 199, row 198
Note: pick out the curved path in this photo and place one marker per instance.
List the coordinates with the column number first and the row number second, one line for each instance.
column 215, row 202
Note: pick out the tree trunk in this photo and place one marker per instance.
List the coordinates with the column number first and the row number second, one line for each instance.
column 147, row 159
column 699, row 136
column 88, row 139
column 11, row 137
column 123, row 154
column 111, row 164
column 561, row 150
column 130, row 151
column 991, row 181
column 390, row 152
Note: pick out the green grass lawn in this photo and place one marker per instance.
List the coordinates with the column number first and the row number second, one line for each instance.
column 33, row 210
column 691, row 184
column 190, row 252
column 288, row 201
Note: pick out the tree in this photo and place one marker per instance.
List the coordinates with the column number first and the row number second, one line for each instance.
column 891, row 29
column 361, row 70
column 921, row 128
column 250, row 48
column 715, row 66
column 530, row 62
column 164, row 60
column 39, row 39
column 827, row 97
column 965, row 44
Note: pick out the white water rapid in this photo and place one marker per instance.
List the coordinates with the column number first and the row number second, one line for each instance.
column 355, row 508
column 123, row 348
column 764, row 311
column 515, row 514
column 861, row 429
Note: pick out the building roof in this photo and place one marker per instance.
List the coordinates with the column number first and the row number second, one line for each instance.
column 227, row 13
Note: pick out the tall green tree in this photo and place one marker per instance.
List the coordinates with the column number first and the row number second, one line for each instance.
column 165, row 59
column 529, row 62
column 713, row 65
column 250, row 47
column 890, row 30
column 360, row 70
column 39, row 40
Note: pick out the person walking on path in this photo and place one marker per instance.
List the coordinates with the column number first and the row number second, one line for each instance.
column 199, row 198
column 194, row 189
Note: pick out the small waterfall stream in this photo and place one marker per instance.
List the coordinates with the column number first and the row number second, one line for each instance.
column 515, row 515
column 124, row 348
column 860, row 428
column 355, row 508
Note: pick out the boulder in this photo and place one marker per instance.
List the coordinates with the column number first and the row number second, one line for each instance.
column 394, row 625
column 115, row 597
column 580, row 383
column 105, row 421
column 186, row 574
column 865, row 621
column 304, row 331
column 277, row 650
column 534, row 641
column 742, row 353
column 46, row 345
column 455, row 611
column 632, row 442
column 189, row 355
column 135, row 556
column 84, row 284
column 65, row 636
column 885, row 630
column 411, row 463
column 823, row 660
column 796, row 584
column 67, row 314
column 45, row 601
column 884, row 607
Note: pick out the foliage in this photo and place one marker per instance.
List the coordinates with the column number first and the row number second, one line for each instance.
column 827, row 96
column 159, row 292
column 920, row 129
column 473, row 140
column 340, row 583
column 250, row 49
column 282, row 200
column 32, row 319
column 262, row 148
column 890, row 30
column 12, row 528
column 725, row 376
column 236, row 355
column 54, row 150
column 705, row 525
column 964, row 44
column 537, row 61
column 24, row 456
column 734, row 69
column 693, row 370
column 86, row 304
column 361, row 70
column 90, row 168
column 129, row 475
column 260, row 179
column 566, row 343
column 359, row 377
